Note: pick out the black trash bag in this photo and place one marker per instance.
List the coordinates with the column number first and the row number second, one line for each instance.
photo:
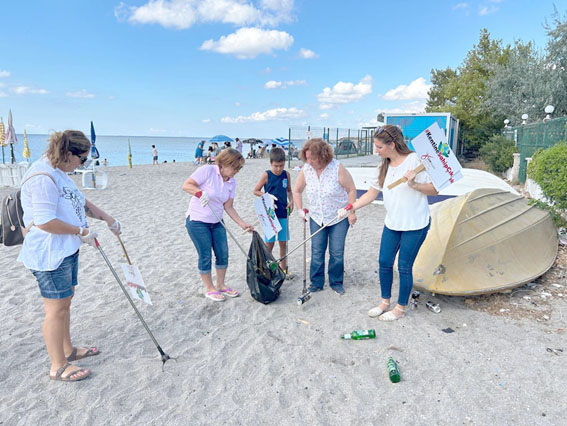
column 264, row 282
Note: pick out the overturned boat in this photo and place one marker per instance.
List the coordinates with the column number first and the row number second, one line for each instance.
column 486, row 241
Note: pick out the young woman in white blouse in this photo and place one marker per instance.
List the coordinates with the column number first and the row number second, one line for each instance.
column 407, row 216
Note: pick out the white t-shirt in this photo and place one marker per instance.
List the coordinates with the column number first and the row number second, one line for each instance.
column 42, row 202
column 406, row 208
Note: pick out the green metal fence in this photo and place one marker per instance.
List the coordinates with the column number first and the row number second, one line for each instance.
column 345, row 142
column 531, row 137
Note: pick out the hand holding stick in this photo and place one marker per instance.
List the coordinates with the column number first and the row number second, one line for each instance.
column 417, row 170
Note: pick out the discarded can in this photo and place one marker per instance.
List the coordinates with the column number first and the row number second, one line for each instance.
column 303, row 298
column 433, row 307
column 393, row 371
column 414, row 300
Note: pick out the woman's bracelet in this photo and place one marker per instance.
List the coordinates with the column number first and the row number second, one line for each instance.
column 80, row 233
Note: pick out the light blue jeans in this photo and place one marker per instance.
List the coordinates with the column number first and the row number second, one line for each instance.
column 408, row 244
column 207, row 236
column 334, row 236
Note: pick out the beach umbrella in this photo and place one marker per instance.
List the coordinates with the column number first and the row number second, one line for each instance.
column 253, row 141
column 221, row 138
column 11, row 137
column 27, row 153
column 282, row 142
column 2, row 137
column 129, row 155
column 94, row 151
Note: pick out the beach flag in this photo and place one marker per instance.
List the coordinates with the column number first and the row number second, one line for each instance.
column 11, row 137
column 2, row 137
column 94, row 151
column 27, row 153
column 129, row 155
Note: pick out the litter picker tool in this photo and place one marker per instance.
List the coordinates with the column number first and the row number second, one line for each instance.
column 164, row 357
column 228, row 231
column 305, row 294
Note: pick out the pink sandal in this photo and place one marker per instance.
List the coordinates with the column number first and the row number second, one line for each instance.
column 211, row 295
column 230, row 292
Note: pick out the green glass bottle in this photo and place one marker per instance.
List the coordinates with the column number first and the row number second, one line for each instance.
column 359, row 335
column 393, row 371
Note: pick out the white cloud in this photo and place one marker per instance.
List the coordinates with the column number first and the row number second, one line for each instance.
column 461, row 6
column 417, row 89
column 26, row 90
column 247, row 43
column 324, row 115
column 206, row 120
column 344, row 93
column 182, row 14
column 269, row 115
column 3, row 94
column 266, row 70
column 4, row 74
column 307, row 54
column 237, row 104
column 487, row 10
column 272, row 84
column 410, row 107
column 81, row 94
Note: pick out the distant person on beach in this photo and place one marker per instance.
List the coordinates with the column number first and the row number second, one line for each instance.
column 105, row 162
column 238, row 145
column 55, row 212
column 226, row 145
column 407, row 216
column 329, row 187
column 199, row 152
column 277, row 183
column 217, row 148
column 155, row 154
column 214, row 188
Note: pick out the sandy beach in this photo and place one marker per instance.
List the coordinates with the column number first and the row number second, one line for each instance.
column 481, row 361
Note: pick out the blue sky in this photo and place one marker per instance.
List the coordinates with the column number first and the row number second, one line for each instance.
column 248, row 68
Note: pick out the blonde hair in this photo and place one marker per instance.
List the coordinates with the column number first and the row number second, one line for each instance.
column 64, row 144
column 319, row 149
column 230, row 157
column 389, row 134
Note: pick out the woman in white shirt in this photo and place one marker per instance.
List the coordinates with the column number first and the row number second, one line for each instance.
column 329, row 187
column 55, row 213
column 407, row 216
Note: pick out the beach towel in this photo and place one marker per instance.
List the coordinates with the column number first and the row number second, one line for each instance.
column 264, row 282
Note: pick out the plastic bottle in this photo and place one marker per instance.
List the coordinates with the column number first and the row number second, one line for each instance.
column 433, row 307
column 393, row 371
column 359, row 335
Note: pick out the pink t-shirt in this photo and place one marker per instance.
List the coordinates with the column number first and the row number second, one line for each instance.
column 210, row 180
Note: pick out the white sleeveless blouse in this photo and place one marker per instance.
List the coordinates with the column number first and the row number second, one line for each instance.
column 325, row 193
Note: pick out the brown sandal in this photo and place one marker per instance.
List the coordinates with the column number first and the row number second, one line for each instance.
column 71, row 377
column 90, row 352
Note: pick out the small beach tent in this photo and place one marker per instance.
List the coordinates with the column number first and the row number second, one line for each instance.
column 221, row 139
column 486, row 241
column 346, row 146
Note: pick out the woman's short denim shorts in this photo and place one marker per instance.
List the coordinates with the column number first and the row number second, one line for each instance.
column 59, row 283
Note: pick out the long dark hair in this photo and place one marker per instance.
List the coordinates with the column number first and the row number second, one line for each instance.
column 389, row 134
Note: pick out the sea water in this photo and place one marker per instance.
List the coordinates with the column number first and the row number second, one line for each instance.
column 115, row 148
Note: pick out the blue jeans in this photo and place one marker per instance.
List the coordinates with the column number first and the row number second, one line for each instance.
column 59, row 283
column 206, row 236
column 408, row 244
column 334, row 236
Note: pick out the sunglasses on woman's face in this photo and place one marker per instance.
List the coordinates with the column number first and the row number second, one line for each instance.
column 83, row 159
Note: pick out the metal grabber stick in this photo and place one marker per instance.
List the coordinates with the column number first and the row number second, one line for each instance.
column 164, row 357
column 228, row 231
column 305, row 295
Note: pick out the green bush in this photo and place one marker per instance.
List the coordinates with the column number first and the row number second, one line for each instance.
column 548, row 169
column 498, row 153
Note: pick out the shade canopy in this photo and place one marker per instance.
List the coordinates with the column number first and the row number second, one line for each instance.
column 282, row 142
column 221, row 138
column 253, row 141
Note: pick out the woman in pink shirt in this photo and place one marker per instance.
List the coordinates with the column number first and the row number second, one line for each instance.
column 213, row 187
